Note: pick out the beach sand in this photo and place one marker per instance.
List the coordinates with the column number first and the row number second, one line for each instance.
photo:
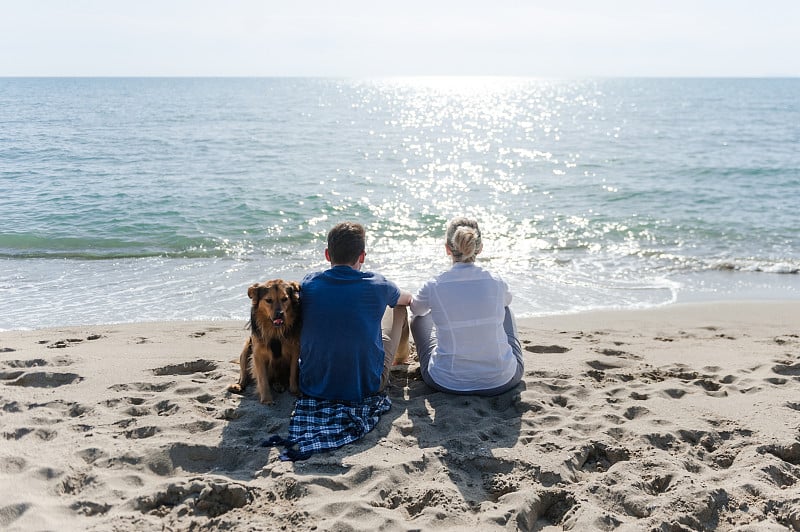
column 685, row 417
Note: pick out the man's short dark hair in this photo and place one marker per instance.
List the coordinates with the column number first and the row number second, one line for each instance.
column 346, row 241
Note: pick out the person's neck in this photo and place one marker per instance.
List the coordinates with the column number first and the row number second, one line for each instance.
column 356, row 265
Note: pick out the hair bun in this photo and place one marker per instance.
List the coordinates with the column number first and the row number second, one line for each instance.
column 464, row 239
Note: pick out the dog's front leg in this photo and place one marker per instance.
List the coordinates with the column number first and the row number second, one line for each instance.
column 244, row 368
column 262, row 381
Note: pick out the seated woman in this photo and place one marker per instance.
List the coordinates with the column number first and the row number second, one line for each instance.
column 465, row 333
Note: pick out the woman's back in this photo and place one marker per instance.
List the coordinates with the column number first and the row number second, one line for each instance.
column 465, row 333
column 467, row 304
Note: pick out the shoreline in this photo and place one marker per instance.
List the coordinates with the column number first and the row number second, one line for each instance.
column 683, row 415
column 101, row 293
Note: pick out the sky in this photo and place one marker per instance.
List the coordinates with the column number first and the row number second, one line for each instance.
column 355, row 38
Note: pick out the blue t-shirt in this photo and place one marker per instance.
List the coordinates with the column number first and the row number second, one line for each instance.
column 341, row 347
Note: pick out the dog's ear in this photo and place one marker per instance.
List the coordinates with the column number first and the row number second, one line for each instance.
column 293, row 290
column 252, row 293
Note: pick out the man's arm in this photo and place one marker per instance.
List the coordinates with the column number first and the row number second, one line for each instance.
column 404, row 299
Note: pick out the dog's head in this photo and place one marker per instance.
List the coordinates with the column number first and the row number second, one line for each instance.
column 276, row 301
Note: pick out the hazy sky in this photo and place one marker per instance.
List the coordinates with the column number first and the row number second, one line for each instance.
column 558, row 38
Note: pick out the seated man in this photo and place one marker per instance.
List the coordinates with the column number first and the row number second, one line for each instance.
column 344, row 354
column 349, row 340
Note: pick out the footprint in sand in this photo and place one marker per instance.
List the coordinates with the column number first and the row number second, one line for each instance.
column 166, row 408
column 787, row 368
column 17, row 434
column 786, row 339
column 32, row 363
column 89, row 508
column 546, row 349
column 187, row 368
column 198, row 426
column 17, row 376
column 75, row 483
column 416, row 501
column 658, row 484
column 597, row 375
column 720, row 335
column 46, row 379
column 62, row 409
column 597, row 457
column 708, row 385
column 20, row 433
column 560, row 400
column 549, row 508
column 12, row 512
column 137, row 411
column 91, row 454
column 780, row 477
column 674, row 393
column 142, row 432
column 198, row 496
column 204, row 398
column 10, row 375
column 12, row 465
column 12, row 406
column 618, row 353
column 664, row 442
column 18, row 367
column 498, row 485
column 603, row 366
column 142, row 386
column 139, row 406
column 61, row 344
column 634, row 412
column 789, row 453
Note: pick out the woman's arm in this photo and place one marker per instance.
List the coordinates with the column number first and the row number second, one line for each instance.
column 419, row 302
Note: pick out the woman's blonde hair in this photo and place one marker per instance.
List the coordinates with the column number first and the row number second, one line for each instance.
column 464, row 239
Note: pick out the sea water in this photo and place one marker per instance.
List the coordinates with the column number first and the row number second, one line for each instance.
column 137, row 199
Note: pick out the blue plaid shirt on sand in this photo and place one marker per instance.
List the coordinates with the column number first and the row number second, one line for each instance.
column 319, row 425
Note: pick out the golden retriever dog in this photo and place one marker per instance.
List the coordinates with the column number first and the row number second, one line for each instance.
column 270, row 355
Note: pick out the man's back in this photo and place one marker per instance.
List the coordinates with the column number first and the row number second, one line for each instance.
column 341, row 346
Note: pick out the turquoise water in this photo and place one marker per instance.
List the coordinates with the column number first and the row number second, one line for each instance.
column 148, row 199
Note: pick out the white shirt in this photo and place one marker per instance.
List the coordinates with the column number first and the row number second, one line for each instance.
column 468, row 307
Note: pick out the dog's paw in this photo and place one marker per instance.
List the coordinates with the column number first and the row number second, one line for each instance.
column 294, row 389
column 236, row 388
column 268, row 401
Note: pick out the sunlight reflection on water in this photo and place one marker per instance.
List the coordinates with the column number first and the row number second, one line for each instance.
column 590, row 193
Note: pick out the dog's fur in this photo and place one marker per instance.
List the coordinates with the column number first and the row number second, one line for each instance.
column 270, row 355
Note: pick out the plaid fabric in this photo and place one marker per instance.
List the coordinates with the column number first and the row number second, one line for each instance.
column 319, row 425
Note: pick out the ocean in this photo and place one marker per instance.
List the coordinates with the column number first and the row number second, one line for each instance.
column 141, row 199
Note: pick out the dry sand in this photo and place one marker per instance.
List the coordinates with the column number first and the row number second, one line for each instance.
column 685, row 417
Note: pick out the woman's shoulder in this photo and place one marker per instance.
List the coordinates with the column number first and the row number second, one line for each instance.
column 493, row 276
column 480, row 271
